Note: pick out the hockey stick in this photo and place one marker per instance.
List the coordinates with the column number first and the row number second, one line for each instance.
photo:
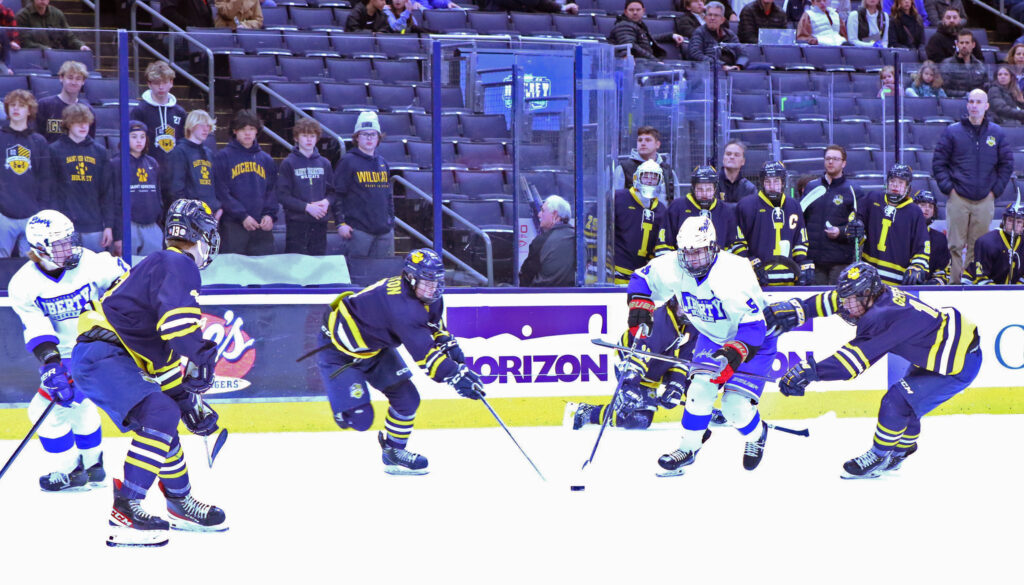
column 675, row 360
column 28, row 437
column 800, row 432
column 218, row 444
column 721, row 423
column 856, row 241
column 640, row 334
column 502, row 423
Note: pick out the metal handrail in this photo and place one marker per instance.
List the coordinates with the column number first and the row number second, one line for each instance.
column 1000, row 12
column 95, row 26
column 427, row 242
column 489, row 279
column 178, row 32
column 260, row 86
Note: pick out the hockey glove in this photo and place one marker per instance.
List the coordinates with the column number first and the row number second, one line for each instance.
column 914, row 276
column 198, row 376
column 630, row 395
column 760, row 272
column 641, row 312
column 807, row 274
column 467, row 383
column 797, row 378
column 854, row 230
column 784, row 316
column 197, row 415
column 673, row 394
column 450, row 346
column 729, row 356
column 935, row 281
column 55, row 380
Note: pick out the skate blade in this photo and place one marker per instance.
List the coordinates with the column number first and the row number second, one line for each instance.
column 872, row 475
column 399, row 470
column 182, row 525
column 671, row 473
column 69, row 490
column 122, row 536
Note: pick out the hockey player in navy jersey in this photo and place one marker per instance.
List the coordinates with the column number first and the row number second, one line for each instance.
column 359, row 340
column 997, row 253
column 639, row 220
column 701, row 200
column 48, row 294
column 896, row 240
column 942, row 345
column 772, row 226
column 938, row 258
column 670, row 335
column 141, row 357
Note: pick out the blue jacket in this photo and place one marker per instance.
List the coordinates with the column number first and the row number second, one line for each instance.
column 144, row 188
column 244, row 179
column 26, row 173
column 972, row 159
column 364, row 197
column 190, row 174
column 81, row 184
column 303, row 180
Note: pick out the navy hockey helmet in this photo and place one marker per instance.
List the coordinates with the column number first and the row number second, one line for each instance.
column 927, row 198
column 773, row 169
column 902, row 172
column 1013, row 219
column 702, row 175
column 191, row 220
column 424, row 270
column 859, row 285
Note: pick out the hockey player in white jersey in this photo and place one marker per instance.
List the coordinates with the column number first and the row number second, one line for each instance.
column 720, row 295
column 48, row 293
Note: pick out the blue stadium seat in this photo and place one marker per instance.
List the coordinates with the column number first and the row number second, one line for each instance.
column 276, row 18
column 604, row 24
column 805, row 107
column 792, row 83
column 657, row 7
column 42, row 86
column 755, row 157
column 108, row 121
column 244, row 70
column 660, row 26
column 348, row 70
column 803, row 161
column 393, row 98
column 105, row 92
column 393, row 152
column 867, row 59
column 422, row 153
column 803, row 134
column 301, row 94
column 755, row 133
column 30, row 61
column 302, row 68
column 261, row 42
column 751, row 106
column 572, row 26
column 423, row 125
column 424, row 180
column 310, row 18
column 531, row 23
column 535, row 156
column 397, row 71
column 451, row 98
column 755, row 82
column 489, row 23
column 846, row 134
column 9, row 83
column 344, row 96
column 480, row 213
column 57, row 57
column 543, row 182
column 955, row 108
column 310, row 44
column 395, row 125
column 445, row 20
column 355, row 46
column 484, row 127
column 481, row 184
column 394, row 46
column 483, row 155
column 825, row 58
column 858, row 161
column 785, row 57
column 921, row 108
column 341, row 123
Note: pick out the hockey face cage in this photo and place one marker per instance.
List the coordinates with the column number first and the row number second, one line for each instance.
column 859, row 285
column 647, row 179
column 697, row 261
column 1013, row 220
column 773, row 169
column 424, row 270
column 902, row 172
column 192, row 221
column 926, row 198
column 65, row 252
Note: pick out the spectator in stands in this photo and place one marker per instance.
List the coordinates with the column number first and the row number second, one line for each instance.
column 972, row 165
column 81, row 180
column 935, row 10
column 821, row 25
column 963, row 71
column 648, row 142
column 147, row 207
column 25, row 174
column 236, row 14
column 245, row 179
column 731, row 185
column 630, row 29
column 5, row 55
column 1006, row 103
column 869, row 25
column 367, row 16
column 757, row 15
column 365, row 208
column 795, row 10
column 9, row 21
column 842, row 7
column 190, row 165
column 39, row 14
column 1015, row 59
column 927, row 82
column 690, row 18
column 552, row 257
column 160, row 112
column 705, row 43
column 186, row 13
column 888, row 5
column 906, row 30
column 530, row 6
column 305, row 188
column 887, row 77
column 401, row 19
column 72, row 76
column 943, row 44
column 730, row 14
column 828, row 204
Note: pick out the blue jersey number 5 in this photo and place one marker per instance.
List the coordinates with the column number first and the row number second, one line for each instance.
column 753, row 306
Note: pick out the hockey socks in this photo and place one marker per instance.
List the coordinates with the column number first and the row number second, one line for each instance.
column 146, row 455
column 174, row 473
column 89, row 447
column 398, row 427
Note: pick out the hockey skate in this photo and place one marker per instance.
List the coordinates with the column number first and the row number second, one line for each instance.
column 577, row 414
column 675, row 463
column 74, row 481
column 753, row 451
column 133, row 526
column 898, row 457
column 95, row 473
column 399, row 461
column 866, row 466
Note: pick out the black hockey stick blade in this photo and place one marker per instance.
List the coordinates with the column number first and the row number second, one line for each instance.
column 674, row 360
column 28, row 437
column 218, row 444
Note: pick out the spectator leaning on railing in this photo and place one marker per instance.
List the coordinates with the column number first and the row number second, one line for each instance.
column 9, row 21
column 40, row 15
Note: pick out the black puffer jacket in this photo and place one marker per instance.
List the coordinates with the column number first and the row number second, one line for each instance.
column 1003, row 107
column 645, row 46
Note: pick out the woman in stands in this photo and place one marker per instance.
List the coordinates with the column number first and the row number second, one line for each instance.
column 906, row 30
column 1015, row 59
column 1005, row 100
column 927, row 82
column 868, row 26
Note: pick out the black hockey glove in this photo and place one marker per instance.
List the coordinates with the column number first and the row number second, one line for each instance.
column 630, row 396
column 641, row 312
column 760, row 272
column 807, row 274
column 198, row 376
column 784, row 316
column 914, row 276
column 55, row 380
column 854, row 230
column 729, row 356
column 450, row 346
column 467, row 383
column 197, row 415
column 797, row 378
column 673, row 394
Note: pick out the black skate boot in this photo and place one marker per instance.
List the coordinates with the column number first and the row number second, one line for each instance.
column 190, row 515
column 577, row 414
column 95, row 473
column 674, row 463
column 866, row 466
column 754, row 450
column 61, row 482
column 899, row 456
column 133, row 526
column 399, row 461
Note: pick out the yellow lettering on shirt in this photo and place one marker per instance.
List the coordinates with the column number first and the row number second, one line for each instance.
column 248, row 167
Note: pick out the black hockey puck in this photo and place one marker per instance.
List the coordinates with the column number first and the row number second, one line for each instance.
column 577, row 488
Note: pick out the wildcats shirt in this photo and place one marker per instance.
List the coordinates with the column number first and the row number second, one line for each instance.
column 49, row 307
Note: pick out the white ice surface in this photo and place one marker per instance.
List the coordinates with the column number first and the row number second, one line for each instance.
column 317, row 508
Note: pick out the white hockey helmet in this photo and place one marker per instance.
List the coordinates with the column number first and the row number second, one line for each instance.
column 648, row 179
column 53, row 239
column 698, row 245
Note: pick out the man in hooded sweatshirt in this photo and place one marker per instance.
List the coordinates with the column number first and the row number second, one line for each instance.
column 245, row 179
column 144, row 187
column 25, row 172
column 364, row 209
column 305, row 189
column 160, row 112
column 648, row 142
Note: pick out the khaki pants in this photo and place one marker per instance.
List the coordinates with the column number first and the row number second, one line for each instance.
column 967, row 221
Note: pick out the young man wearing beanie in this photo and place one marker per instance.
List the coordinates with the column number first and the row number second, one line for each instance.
column 364, row 208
